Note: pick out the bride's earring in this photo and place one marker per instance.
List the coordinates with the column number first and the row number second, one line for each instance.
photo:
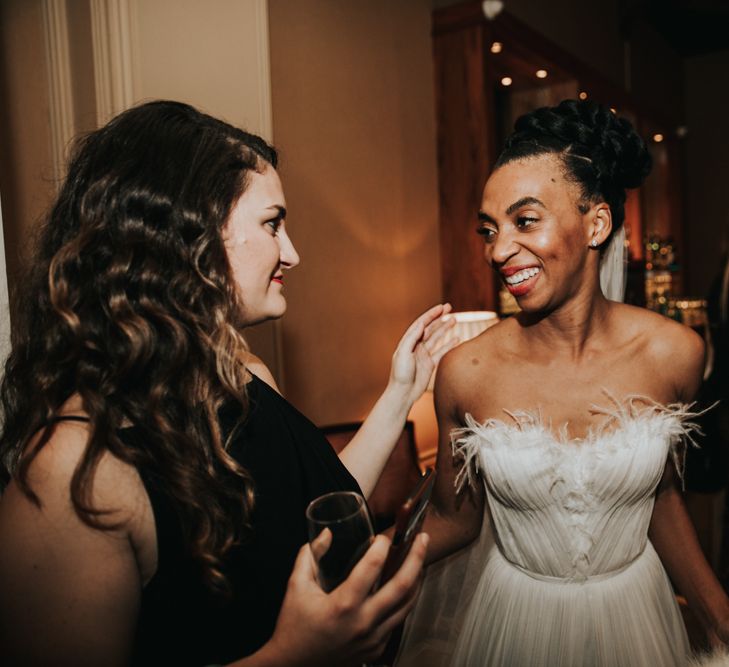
column 593, row 243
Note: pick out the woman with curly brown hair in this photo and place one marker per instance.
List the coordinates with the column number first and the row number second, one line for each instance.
column 157, row 480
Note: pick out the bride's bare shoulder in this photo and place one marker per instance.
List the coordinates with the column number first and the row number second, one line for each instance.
column 475, row 361
column 671, row 348
column 660, row 334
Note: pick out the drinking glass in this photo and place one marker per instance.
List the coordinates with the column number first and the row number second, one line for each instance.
column 346, row 515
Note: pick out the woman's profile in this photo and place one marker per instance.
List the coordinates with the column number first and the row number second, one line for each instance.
column 565, row 426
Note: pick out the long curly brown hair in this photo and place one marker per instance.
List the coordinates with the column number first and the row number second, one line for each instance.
column 131, row 305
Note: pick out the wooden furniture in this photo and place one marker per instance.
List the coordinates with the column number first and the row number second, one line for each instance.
column 398, row 478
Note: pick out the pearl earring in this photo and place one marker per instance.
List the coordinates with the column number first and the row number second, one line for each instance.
column 593, row 243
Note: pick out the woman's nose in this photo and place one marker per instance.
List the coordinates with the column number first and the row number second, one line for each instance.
column 289, row 256
column 502, row 248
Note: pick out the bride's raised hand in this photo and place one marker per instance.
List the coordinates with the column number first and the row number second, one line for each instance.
column 420, row 349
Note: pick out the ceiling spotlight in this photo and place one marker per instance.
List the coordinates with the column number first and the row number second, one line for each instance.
column 681, row 131
column 583, row 95
column 613, row 109
column 541, row 74
column 658, row 137
column 506, row 81
column 496, row 47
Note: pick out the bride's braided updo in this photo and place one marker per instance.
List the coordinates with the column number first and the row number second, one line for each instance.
column 599, row 150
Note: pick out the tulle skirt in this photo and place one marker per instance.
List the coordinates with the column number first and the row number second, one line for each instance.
column 629, row 618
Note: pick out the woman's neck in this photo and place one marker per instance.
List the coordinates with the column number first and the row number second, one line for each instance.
column 571, row 330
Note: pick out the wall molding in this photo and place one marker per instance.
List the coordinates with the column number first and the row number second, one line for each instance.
column 58, row 64
column 113, row 33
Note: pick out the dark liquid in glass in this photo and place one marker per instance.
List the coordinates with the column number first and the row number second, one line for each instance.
column 347, row 548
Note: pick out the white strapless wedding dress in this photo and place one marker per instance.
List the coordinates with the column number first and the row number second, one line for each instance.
column 566, row 576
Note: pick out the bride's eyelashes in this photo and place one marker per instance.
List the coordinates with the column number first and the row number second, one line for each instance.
column 525, row 221
column 487, row 232
column 522, row 223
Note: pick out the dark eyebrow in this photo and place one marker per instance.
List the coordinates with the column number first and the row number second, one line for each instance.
column 524, row 201
column 485, row 217
column 281, row 211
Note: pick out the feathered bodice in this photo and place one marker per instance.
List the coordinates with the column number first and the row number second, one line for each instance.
column 574, row 509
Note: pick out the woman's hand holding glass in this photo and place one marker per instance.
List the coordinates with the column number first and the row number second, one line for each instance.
column 350, row 625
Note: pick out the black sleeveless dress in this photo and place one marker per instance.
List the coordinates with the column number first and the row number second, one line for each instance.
column 291, row 463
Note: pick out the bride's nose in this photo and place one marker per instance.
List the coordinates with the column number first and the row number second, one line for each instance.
column 503, row 248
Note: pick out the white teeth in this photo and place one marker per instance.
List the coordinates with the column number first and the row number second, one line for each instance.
column 521, row 276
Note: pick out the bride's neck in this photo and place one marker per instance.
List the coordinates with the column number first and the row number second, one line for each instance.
column 573, row 328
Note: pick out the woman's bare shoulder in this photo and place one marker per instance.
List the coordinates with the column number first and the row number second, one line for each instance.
column 672, row 349
column 116, row 487
column 57, row 571
column 663, row 335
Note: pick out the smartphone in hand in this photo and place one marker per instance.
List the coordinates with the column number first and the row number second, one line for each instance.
column 408, row 521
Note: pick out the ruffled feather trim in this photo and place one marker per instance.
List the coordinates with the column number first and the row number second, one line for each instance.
column 675, row 421
column 717, row 658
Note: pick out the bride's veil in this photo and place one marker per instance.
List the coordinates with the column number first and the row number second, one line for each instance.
column 613, row 267
column 433, row 626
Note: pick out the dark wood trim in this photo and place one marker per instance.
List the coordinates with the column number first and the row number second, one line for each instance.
column 465, row 155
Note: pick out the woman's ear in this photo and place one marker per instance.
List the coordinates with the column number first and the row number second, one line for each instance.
column 601, row 224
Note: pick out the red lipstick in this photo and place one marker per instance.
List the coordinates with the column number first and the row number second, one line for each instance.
column 524, row 286
column 511, row 270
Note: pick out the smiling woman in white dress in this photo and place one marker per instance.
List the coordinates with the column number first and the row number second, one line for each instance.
column 565, row 424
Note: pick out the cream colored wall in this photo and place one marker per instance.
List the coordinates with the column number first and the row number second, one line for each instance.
column 211, row 54
column 353, row 113
column 81, row 61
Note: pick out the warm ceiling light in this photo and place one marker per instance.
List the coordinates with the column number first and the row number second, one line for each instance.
column 583, row 95
column 613, row 109
column 658, row 137
column 541, row 74
column 496, row 47
column 506, row 81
